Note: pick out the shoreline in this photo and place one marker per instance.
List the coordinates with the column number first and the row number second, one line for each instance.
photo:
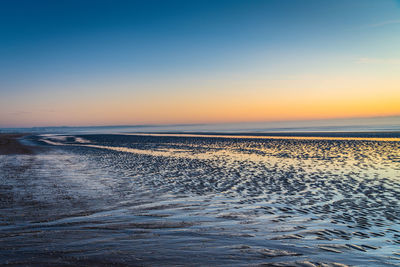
column 9, row 145
column 346, row 134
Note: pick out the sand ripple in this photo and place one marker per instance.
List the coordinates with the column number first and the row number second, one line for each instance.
column 216, row 201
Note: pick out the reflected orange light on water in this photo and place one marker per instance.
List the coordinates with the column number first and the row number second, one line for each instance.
column 389, row 139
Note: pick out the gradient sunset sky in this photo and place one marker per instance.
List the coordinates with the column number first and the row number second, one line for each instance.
column 147, row 62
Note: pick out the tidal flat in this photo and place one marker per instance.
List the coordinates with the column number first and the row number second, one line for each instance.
column 144, row 200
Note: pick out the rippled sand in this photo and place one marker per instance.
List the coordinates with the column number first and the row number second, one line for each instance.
column 167, row 200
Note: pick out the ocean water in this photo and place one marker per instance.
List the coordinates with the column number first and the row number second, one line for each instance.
column 358, row 125
column 128, row 199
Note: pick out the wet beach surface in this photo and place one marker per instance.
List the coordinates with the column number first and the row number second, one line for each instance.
column 9, row 145
column 167, row 200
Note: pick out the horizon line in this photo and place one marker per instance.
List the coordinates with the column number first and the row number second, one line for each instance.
column 199, row 124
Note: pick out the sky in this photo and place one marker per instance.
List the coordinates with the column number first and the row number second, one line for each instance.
column 166, row 62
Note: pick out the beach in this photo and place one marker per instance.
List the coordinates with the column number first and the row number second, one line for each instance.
column 10, row 145
column 154, row 200
column 200, row 133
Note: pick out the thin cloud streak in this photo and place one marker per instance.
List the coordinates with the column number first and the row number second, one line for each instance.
column 387, row 61
column 19, row 113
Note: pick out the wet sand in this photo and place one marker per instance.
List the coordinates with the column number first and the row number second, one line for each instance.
column 9, row 145
column 200, row 201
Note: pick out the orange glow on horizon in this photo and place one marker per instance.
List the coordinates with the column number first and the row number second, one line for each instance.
column 245, row 100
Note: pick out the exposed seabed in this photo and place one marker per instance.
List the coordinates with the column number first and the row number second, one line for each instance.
column 170, row 200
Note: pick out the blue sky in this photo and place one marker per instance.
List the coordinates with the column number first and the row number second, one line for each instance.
column 56, row 53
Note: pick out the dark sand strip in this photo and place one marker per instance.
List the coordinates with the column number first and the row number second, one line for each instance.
column 9, row 145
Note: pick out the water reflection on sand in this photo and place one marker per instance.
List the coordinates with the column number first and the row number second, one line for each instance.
column 156, row 200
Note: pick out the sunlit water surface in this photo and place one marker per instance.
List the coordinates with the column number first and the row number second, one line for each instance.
column 167, row 200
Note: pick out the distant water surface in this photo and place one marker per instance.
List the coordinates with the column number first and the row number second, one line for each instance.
column 358, row 125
